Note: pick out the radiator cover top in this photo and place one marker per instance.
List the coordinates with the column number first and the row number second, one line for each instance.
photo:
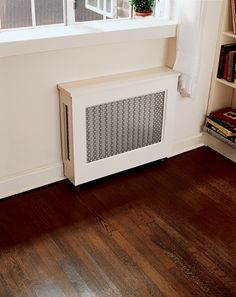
column 124, row 125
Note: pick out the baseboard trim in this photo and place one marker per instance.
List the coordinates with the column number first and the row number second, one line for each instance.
column 186, row 145
column 39, row 177
column 220, row 147
column 30, row 180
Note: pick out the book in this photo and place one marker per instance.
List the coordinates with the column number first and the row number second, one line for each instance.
column 225, row 48
column 220, row 137
column 226, row 117
column 231, row 66
column 213, row 128
column 226, row 66
column 222, row 123
column 225, row 131
column 233, row 14
column 235, row 70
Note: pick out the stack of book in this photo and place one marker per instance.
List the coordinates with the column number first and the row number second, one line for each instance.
column 222, row 124
column 227, row 63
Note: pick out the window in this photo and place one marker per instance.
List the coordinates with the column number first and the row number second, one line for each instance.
column 31, row 13
column 50, row 18
column 16, row 14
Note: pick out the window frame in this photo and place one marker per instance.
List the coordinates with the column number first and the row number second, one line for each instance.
column 47, row 38
column 69, row 14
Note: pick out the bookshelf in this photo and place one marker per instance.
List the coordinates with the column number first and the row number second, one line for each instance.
column 222, row 93
column 225, row 82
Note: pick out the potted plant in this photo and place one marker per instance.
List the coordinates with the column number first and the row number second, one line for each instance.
column 142, row 7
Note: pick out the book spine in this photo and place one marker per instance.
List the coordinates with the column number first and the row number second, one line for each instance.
column 230, row 70
column 226, row 66
column 219, row 127
column 235, row 70
column 218, row 136
column 220, row 72
column 231, row 138
column 222, row 123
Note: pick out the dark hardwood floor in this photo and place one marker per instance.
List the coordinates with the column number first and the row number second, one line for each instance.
column 159, row 230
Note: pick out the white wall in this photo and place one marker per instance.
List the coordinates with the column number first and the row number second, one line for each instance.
column 29, row 114
column 190, row 113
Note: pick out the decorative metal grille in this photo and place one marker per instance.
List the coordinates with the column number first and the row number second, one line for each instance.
column 124, row 125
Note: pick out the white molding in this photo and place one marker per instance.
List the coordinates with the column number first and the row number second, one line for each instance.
column 187, row 144
column 220, row 147
column 42, row 176
column 29, row 180
column 35, row 40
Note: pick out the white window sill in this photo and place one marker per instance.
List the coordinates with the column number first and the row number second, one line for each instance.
column 27, row 41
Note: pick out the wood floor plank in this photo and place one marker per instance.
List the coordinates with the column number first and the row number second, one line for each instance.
column 160, row 230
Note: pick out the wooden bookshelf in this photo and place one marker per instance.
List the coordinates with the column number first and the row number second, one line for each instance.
column 222, row 93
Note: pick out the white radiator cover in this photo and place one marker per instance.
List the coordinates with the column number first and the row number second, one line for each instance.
column 114, row 123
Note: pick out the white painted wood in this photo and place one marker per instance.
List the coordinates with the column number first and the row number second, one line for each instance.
column 38, row 177
column 65, row 100
column 65, row 19
column 222, row 93
column 229, row 34
column 188, row 144
column 70, row 13
column 83, row 35
column 92, row 92
column 220, row 147
column 33, row 13
column 227, row 83
column 31, row 179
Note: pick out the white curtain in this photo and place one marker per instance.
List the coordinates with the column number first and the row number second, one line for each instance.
column 189, row 43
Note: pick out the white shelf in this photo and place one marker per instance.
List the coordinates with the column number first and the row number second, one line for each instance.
column 227, row 83
column 229, row 34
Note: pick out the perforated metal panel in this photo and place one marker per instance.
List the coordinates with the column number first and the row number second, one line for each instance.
column 124, row 125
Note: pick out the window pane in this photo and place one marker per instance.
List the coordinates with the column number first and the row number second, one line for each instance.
column 83, row 14
column 122, row 8
column 108, row 6
column 15, row 13
column 93, row 3
column 49, row 12
column 101, row 4
column 93, row 9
